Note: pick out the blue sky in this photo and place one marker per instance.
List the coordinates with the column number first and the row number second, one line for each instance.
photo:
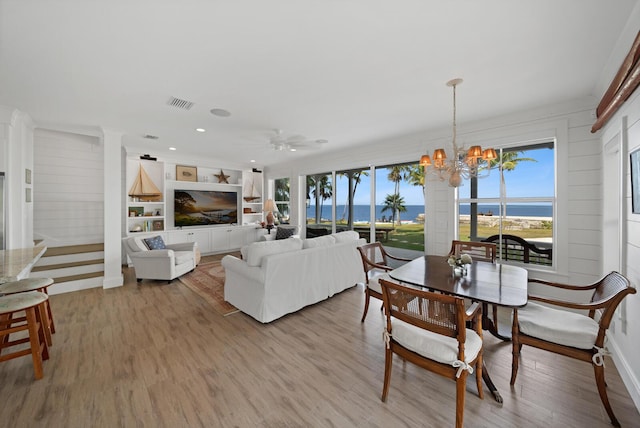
column 528, row 179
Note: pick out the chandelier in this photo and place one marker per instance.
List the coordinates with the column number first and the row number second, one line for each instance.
column 463, row 163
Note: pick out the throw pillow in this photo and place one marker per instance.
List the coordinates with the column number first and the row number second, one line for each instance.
column 285, row 232
column 155, row 243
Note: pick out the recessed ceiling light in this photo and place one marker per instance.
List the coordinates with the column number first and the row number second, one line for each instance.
column 292, row 149
column 220, row 112
column 252, row 161
column 201, row 130
column 172, row 148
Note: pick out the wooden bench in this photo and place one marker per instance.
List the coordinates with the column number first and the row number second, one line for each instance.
column 515, row 248
column 364, row 232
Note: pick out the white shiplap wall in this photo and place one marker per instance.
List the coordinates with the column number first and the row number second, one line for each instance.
column 579, row 177
column 68, row 188
column 624, row 333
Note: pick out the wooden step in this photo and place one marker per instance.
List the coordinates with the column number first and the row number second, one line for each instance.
column 77, row 277
column 67, row 265
column 73, row 249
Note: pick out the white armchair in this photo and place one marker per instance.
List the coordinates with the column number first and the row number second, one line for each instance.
column 162, row 264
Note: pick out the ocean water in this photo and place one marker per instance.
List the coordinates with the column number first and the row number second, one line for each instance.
column 361, row 212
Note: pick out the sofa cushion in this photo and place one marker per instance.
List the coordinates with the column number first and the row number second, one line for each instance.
column 183, row 257
column 320, row 241
column 258, row 250
column 155, row 243
column 283, row 232
column 346, row 236
column 137, row 244
column 244, row 251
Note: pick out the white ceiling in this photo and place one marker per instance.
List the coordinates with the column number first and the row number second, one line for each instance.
column 349, row 71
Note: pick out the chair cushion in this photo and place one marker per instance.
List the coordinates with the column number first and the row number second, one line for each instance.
column 432, row 345
column 375, row 275
column 558, row 326
column 320, row 241
column 283, row 232
column 155, row 243
column 346, row 236
column 258, row 250
column 183, row 256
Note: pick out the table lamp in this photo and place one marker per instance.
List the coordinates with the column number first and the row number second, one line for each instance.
column 270, row 208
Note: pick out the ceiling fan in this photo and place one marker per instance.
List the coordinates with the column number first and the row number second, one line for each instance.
column 293, row 143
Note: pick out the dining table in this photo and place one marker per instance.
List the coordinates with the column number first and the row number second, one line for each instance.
column 484, row 282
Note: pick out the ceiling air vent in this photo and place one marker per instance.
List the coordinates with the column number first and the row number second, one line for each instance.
column 177, row 102
column 151, row 137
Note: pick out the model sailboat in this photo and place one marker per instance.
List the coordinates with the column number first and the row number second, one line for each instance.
column 144, row 188
column 250, row 193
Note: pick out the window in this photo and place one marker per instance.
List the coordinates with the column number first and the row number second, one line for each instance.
column 514, row 206
column 282, row 198
column 319, row 204
column 353, row 199
column 400, row 206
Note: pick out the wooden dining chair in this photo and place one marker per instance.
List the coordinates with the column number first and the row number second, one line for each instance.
column 480, row 251
column 429, row 330
column 568, row 333
column 375, row 261
column 483, row 252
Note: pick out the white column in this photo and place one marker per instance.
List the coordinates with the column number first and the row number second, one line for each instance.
column 112, row 144
column 16, row 142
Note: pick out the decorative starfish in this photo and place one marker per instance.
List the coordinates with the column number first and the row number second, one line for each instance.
column 221, row 177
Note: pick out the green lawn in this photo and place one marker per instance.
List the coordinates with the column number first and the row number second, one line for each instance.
column 411, row 236
column 408, row 236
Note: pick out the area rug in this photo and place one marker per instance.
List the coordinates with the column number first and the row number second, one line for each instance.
column 207, row 280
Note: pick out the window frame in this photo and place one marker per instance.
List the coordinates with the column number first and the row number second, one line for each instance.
column 503, row 201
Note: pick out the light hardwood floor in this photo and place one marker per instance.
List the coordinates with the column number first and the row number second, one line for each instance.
column 156, row 355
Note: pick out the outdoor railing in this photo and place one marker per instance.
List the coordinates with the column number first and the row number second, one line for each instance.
column 512, row 247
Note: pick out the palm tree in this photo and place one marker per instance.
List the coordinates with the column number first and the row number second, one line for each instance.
column 397, row 173
column 416, row 175
column 395, row 204
column 320, row 188
column 355, row 178
column 282, row 194
column 506, row 161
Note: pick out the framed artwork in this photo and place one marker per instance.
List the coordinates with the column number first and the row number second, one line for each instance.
column 136, row 211
column 635, row 181
column 158, row 225
column 27, row 176
column 186, row 173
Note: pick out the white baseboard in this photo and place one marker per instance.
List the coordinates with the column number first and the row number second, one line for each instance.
column 630, row 381
column 82, row 284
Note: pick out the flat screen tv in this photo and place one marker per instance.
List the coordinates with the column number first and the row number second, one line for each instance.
column 204, row 207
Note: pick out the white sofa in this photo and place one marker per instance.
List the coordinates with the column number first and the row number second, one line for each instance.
column 275, row 278
column 165, row 264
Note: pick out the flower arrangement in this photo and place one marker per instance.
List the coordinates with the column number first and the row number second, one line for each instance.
column 459, row 263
